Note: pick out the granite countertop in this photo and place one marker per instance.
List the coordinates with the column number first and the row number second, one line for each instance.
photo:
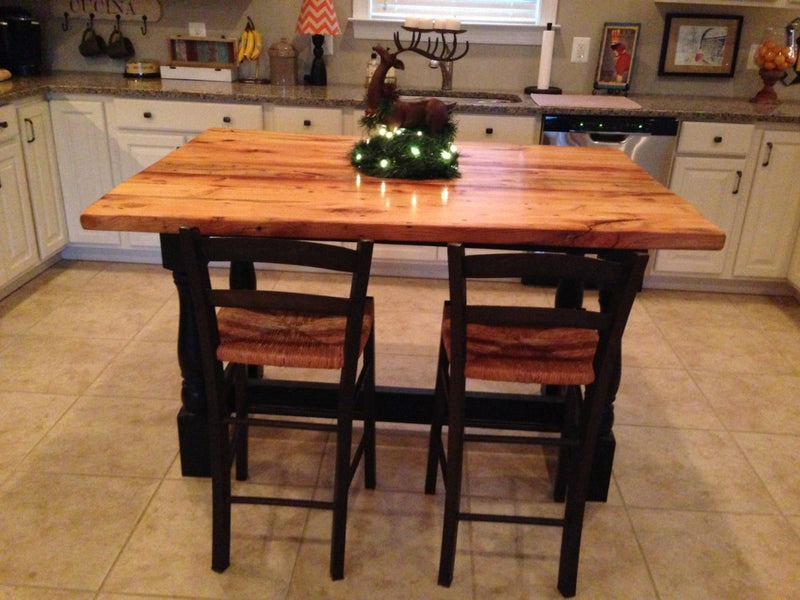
column 344, row 96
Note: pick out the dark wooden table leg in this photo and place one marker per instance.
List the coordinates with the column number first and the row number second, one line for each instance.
column 192, row 417
column 569, row 294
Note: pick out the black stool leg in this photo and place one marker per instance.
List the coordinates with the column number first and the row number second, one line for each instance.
column 453, row 476
column 241, row 429
column 370, row 477
column 435, row 447
column 344, row 438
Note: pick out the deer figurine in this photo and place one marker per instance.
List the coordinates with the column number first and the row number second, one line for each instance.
column 430, row 114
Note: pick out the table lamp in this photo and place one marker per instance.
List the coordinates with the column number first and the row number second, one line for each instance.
column 318, row 17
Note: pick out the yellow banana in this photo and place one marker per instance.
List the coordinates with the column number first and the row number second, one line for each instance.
column 258, row 45
column 251, row 42
column 242, row 46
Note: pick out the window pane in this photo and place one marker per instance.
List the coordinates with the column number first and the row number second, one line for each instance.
column 520, row 12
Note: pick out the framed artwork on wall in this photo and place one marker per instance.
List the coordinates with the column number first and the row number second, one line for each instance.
column 702, row 45
column 617, row 53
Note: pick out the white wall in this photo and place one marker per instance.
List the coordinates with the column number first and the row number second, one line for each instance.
column 508, row 68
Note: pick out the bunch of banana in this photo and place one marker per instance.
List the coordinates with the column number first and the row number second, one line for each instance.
column 250, row 43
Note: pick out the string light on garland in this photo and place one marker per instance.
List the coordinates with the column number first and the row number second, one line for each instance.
column 408, row 154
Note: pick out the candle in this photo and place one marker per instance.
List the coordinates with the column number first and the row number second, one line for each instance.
column 411, row 23
column 449, row 24
column 425, row 24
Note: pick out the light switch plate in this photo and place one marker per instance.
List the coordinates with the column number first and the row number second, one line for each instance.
column 580, row 49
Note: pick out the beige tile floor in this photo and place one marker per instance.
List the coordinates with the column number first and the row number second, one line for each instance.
column 705, row 499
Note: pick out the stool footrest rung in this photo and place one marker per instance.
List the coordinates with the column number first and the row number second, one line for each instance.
column 520, row 439
column 516, row 519
column 295, row 502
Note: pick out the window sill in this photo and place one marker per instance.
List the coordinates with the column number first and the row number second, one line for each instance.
column 516, row 35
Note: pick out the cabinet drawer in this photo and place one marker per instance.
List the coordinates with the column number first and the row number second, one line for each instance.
column 9, row 126
column 724, row 139
column 486, row 128
column 168, row 115
column 302, row 119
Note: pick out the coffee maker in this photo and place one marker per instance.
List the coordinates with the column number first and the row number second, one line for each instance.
column 20, row 42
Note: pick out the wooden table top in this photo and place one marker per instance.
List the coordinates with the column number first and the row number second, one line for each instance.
column 242, row 182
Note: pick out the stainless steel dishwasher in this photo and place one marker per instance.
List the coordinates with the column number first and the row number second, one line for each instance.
column 649, row 141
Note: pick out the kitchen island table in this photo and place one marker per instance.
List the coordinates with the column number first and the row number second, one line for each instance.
column 257, row 183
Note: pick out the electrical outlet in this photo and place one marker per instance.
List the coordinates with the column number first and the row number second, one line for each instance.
column 197, row 29
column 580, row 49
column 327, row 48
column 751, row 58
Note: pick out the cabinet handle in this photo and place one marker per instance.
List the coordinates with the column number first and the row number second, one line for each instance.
column 3, row 124
column 489, row 130
column 148, row 115
column 307, row 123
column 769, row 155
column 717, row 139
column 32, row 137
column 226, row 119
column 738, row 182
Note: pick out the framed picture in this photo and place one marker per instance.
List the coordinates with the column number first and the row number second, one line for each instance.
column 704, row 45
column 617, row 53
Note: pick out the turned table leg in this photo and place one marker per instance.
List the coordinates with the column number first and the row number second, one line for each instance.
column 193, row 416
column 569, row 294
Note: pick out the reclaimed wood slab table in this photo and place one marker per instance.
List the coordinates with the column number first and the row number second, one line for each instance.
column 258, row 183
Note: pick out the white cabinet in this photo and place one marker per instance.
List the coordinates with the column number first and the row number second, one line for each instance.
column 18, row 252
column 41, row 168
column 773, row 212
column 713, row 186
column 304, row 119
column 187, row 117
column 137, row 151
column 84, row 162
column 144, row 131
column 474, row 127
column 710, row 172
column 496, row 128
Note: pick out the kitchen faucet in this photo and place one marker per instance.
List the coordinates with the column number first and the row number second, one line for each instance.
column 446, row 67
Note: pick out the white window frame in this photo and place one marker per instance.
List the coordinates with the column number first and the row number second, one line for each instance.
column 509, row 34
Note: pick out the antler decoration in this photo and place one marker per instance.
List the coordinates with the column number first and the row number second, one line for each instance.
column 416, row 137
column 447, row 54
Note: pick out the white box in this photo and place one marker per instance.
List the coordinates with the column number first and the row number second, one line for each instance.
column 199, row 73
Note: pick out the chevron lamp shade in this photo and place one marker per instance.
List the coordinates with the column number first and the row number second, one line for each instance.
column 318, row 17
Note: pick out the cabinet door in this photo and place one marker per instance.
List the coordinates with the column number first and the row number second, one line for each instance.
column 493, row 128
column 178, row 116
column 137, row 152
column 714, row 187
column 84, row 163
column 773, row 210
column 18, row 251
column 303, row 119
column 38, row 146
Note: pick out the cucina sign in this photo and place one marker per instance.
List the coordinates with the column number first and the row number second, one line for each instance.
column 134, row 9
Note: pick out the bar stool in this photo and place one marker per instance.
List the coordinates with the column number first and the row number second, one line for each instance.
column 282, row 329
column 568, row 348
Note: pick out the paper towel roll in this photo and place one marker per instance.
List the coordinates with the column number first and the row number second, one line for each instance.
column 546, row 57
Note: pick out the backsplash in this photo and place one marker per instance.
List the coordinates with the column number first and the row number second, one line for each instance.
column 501, row 68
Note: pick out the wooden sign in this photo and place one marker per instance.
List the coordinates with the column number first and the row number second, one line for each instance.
column 128, row 10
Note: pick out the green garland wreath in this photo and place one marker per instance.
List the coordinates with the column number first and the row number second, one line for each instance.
column 405, row 153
